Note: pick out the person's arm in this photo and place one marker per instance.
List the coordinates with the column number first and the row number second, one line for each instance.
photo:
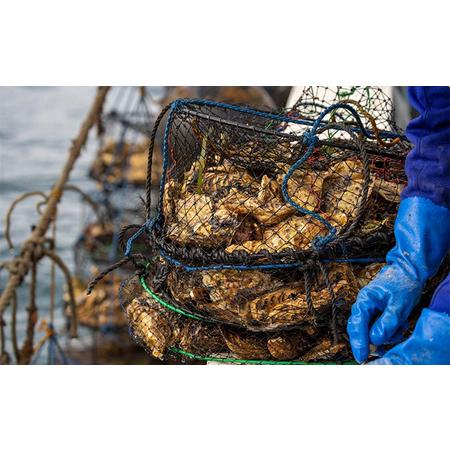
column 422, row 228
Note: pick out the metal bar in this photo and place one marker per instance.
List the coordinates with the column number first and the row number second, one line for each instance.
column 289, row 136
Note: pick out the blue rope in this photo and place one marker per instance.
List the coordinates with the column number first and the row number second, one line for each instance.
column 309, row 138
column 188, row 268
column 282, row 118
column 147, row 225
column 53, row 349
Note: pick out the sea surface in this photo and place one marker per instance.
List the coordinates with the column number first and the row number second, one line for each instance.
column 36, row 128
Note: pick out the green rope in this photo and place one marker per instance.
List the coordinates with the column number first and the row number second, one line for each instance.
column 169, row 306
column 222, row 359
column 253, row 361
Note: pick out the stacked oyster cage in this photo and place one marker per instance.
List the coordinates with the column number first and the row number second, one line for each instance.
column 268, row 224
column 119, row 172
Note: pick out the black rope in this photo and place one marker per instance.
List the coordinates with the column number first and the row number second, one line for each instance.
column 148, row 187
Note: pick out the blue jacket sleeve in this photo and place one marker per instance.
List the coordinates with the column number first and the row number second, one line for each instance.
column 428, row 164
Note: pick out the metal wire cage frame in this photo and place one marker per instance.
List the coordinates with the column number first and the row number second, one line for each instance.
column 202, row 134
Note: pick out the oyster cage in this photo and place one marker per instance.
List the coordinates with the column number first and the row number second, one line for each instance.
column 267, row 226
column 237, row 188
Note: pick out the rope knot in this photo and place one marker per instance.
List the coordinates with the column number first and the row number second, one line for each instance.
column 310, row 139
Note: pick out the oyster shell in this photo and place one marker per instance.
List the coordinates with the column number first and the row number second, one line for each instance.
column 341, row 192
column 100, row 308
column 156, row 328
column 305, row 188
column 226, row 285
column 286, row 346
column 245, row 345
column 224, row 177
column 185, row 287
column 387, row 189
column 295, row 233
column 325, row 351
column 197, row 337
column 284, row 306
column 265, row 204
column 368, row 273
column 199, row 220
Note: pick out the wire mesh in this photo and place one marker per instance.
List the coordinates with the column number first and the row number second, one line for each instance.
column 268, row 224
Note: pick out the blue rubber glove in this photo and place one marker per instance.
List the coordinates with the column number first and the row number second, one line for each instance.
column 382, row 308
column 429, row 343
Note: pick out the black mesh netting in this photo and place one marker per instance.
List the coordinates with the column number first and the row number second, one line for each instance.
column 268, row 225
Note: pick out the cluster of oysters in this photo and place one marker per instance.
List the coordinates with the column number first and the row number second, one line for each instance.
column 259, row 314
column 227, row 206
column 159, row 329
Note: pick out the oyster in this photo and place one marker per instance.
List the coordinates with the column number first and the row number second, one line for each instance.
column 325, row 351
column 387, row 189
column 305, row 188
column 342, row 191
column 124, row 161
column 199, row 220
column 100, row 308
column 286, row 346
column 246, row 345
column 153, row 326
column 284, row 306
column 265, row 204
column 185, row 287
column 197, row 337
column 230, row 290
column 222, row 178
column 288, row 306
column 171, row 195
column 226, row 285
column 368, row 273
column 295, row 233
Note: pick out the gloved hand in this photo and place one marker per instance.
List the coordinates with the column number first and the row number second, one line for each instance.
column 422, row 233
column 429, row 343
